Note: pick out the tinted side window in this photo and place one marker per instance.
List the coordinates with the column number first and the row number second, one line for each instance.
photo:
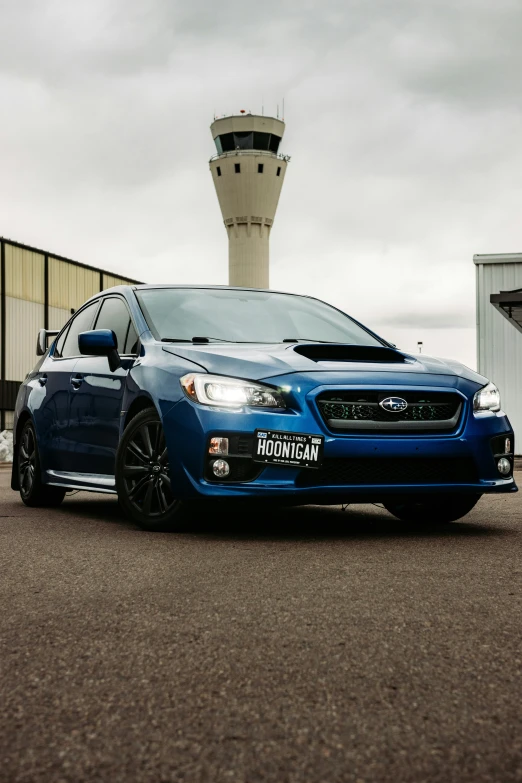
column 131, row 346
column 115, row 315
column 80, row 323
column 60, row 342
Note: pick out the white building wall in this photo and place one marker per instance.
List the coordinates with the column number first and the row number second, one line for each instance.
column 8, row 416
column 24, row 309
column 58, row 316
column 499, row 344
column 23, row 321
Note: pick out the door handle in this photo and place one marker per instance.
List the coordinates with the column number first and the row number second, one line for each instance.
column 77, row 381
column 42, row 380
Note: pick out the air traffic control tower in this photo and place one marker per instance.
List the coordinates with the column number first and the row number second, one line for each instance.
column 248, row 173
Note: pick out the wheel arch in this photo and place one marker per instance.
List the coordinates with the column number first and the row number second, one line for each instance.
column 22, row 419
column 138, row 405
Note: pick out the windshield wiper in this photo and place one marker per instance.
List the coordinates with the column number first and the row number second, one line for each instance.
column 174, row 340
column 195, row 340
column 305, row 339
column 208, row 339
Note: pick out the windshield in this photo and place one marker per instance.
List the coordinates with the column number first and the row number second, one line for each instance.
column 246, row 317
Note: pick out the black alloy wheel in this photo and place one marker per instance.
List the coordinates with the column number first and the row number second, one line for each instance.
column 27, row 461
column 142, row 474
column 433, row 511
column 32, row 491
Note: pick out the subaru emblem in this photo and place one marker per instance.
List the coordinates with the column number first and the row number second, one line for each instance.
column 394, row 404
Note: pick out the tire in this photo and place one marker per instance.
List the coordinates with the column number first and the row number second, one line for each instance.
column 434, row 511
column 32, row 490
column 142, row 475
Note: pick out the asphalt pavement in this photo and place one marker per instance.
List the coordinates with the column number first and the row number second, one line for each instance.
column 315, row 645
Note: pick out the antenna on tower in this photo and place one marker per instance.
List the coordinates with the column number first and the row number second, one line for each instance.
column 277, row 111
column 283, row 116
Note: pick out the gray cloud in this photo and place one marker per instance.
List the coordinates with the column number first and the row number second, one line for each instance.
column 420, row 320
column 403, row 122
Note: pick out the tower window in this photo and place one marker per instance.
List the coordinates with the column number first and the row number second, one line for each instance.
column 260, row 168
column 279, row 171
column 247, row 140
column 218, row 169
column 237, row 168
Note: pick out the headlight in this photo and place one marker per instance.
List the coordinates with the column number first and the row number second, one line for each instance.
column 229, row 392
column 487, row 399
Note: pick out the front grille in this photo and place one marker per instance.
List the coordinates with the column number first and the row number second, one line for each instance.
column 361, row 410
column 390, row 470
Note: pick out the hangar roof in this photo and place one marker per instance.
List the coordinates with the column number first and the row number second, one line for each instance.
column 509, row 304
column 497, row 258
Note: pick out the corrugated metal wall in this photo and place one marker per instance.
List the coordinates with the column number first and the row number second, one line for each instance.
column 24, row 308
column 499, row 344
column 23, row 319
column 110, row 280
column 69, row 285
column 24, row 271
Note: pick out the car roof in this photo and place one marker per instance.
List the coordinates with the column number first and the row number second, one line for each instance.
column 145, row 286
column 122, row 289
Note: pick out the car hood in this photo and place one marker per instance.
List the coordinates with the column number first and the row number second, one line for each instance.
column 259, row 361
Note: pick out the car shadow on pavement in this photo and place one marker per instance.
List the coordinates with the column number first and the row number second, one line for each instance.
column 251, row 521
column 326, row 522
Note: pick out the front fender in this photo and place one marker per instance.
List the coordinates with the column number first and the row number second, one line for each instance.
column 155, row 381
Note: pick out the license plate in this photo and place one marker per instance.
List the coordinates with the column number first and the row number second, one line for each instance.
column 299, row 449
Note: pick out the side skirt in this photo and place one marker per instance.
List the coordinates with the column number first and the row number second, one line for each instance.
column 89, row 482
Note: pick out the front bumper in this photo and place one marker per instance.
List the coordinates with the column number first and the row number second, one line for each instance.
column 188, row 427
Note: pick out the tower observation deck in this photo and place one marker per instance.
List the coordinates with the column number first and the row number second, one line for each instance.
column 248, row 174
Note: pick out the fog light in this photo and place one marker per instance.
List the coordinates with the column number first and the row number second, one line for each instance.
column 218, row 446
column 504, row 466
column 507, row 446
column 220, row 468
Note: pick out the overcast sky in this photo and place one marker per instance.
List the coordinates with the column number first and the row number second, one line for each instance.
column 404, row 123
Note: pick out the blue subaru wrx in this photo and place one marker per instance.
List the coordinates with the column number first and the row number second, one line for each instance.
column 170, row 394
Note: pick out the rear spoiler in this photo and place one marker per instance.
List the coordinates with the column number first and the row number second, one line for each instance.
column 41, row 343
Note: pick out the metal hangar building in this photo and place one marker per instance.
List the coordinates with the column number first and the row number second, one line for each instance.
column 38, row 289
column 499, row 330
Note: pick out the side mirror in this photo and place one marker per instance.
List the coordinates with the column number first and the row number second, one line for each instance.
column 100, row 342
column 41, row 343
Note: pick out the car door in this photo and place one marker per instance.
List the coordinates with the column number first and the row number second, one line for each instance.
column 51, row 414
column 97, row 394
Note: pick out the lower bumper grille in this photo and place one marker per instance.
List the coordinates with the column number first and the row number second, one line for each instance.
column 389, row 470
column 239, row 459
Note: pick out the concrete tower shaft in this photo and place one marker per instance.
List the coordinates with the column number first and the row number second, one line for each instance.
column 248, row 174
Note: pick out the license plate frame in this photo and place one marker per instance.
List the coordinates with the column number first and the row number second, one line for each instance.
column 310, row 453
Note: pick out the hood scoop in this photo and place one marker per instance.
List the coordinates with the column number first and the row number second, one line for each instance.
column 350, row 353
